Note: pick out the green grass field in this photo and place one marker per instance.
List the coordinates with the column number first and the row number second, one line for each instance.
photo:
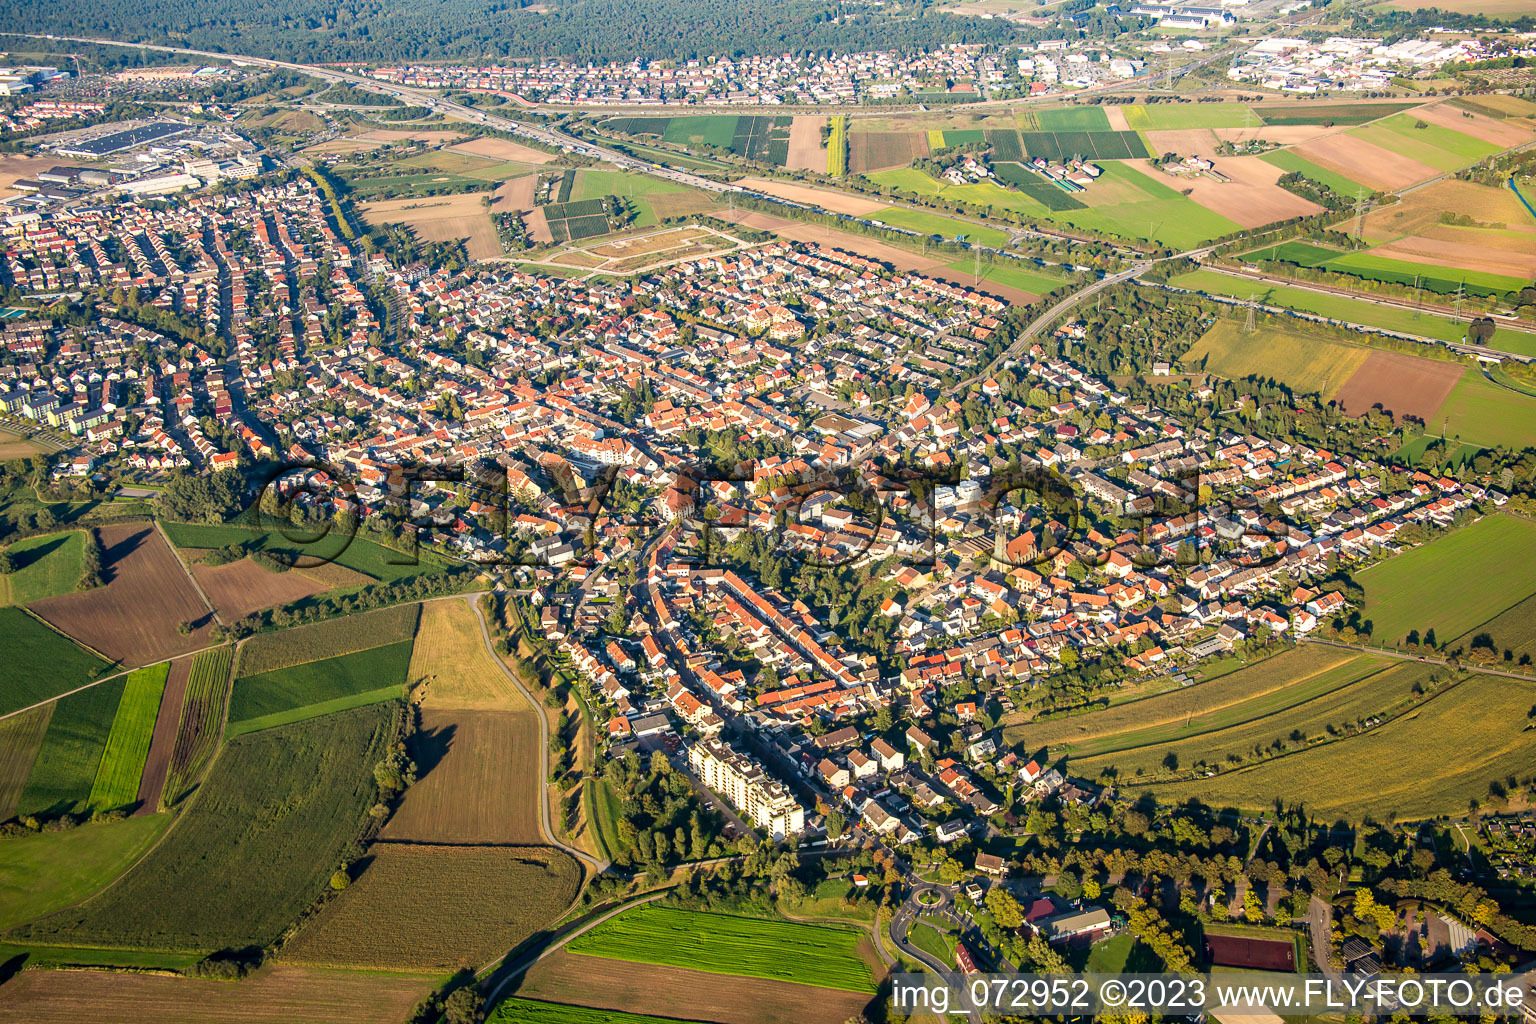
column 1355, row 311
column 45, row 566
column 43, row 873
column 722, row 944
column 360, row 631
column 122, row 762
column 1302, row 362
column 361, row 555
column 1152, row 210
column 593, row 184
column 1303, row 254
column 1036, row 282
column 40, row 662
column 65, row 770
column 532, row 1011
column 1432, row 278
column 1286, row 160
column 708, row 129
column 1454, row 582
column 253, row 849
column 318, row 687
column 1176, row 116
column 1441, row 148
column 938, row 224
column 1513, row 630
column 1072, row 119
column 934, row 937
column 1480, row 412
column 603, row 813
column 1340, row 114
column 984, row 194
column 1359, row 690
column 1481, row 720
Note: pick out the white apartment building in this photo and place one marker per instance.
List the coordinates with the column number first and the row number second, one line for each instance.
column 762, row 799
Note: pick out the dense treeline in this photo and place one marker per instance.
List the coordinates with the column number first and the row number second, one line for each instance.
column 600, row 30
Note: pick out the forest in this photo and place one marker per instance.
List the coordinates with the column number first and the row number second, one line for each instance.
column 597, row 30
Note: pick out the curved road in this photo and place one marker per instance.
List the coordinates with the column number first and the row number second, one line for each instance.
column 545, row 826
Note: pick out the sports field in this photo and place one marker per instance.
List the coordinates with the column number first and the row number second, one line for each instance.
column 722, row 944
column 1304, row 363
column 1479, row 724
column 1454, row 582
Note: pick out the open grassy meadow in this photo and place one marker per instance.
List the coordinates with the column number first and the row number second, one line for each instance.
column 1286, row 678
column 267, row 652
column 1177, row 116
column 122, row 761
column 45, row 566
column 1480, row 412
column 435, row 908
column 318, row 687
column 1453, row 583
column 201, row 721
column 722, row 944
column 64, row 771
column 1140, row 206
column 1479, row 727
column 1305, row 363
column 42, row 873
column 938, row 224
column 40, row 662
column 358, row 553
column 1357, row 691
column 1034, row 281
column 269, row 825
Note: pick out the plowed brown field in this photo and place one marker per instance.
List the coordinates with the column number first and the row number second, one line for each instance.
column 1401, row 384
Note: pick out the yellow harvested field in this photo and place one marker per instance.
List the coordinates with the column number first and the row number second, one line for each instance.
column 1418, row 213
column 442, row 219
column 1279, row 134
column 1507, row 134
column 1184, row 141
column 1251, row 197
column 450, row 666
column 837, row 202
column 538, row 226
column 515, row 194
column 503, row 149
column 1369, row 164
column 806, row 153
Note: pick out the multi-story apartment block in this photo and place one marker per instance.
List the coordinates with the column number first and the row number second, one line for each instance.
column 763, row 799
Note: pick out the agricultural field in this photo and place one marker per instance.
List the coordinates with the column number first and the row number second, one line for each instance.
column 982, row 194
column 1482, row 719
column 64, row 770
column 721, row 944
column 1070, row 119
column 299, row 692
column 1090, row 145
column 12, row 445
column 242, row 587
column 277, row 994
column 1130, row 203
column 1513, row 630
column 1184, row 116
column 1305, row 363
column 575, row 220
column 21, row 736
column 1372, row 266
column 357, row 553
column 44, row 567
column 478, row 780
column 134, row 618
column 1363, row 689
column 450, row 666
column 1481, row 412
column 1326, row 114
column 1289, row 160
column 201, row 722
column 1441, row 148
column 528, row 1011
column 946, row 227
column 1337, row 307
column 1047, row 193
column 1309, row 670
column 267, row 652
column 438, row 218
column 884, row 150
column 277, row 811
column 1452, row 584
column 1034, row 282
column 42, row 873
column 162, row 740
column 122, row 761
column 437, row 908
column 1407, row 386
column 40, row 662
